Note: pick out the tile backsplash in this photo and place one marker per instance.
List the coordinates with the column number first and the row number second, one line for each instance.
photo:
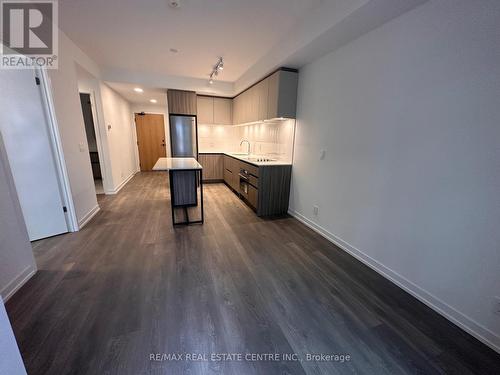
column 217, row 138
column 273, row 139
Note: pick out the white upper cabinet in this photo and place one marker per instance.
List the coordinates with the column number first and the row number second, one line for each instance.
column 245, row 106
column 253, row 104
column 238, row 110
column 273, row 97
column 263, row 98
column 212, row 110
column 223, row 111
column 282, row 94
column 205, row 109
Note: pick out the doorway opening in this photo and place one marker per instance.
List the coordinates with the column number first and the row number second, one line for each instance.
column 88, row 119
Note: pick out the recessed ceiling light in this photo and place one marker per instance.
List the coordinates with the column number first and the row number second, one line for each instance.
column 173, row 50
column 174, row 3
column 153, row 100
column 138, row 89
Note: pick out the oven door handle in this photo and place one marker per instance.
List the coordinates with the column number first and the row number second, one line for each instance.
column 243, row 176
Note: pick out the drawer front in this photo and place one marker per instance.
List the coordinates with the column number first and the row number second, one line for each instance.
column 253, row 195
column 252, row 169
column 228, row 176
column 235, row 184
column 228, row 163
column 253, row 181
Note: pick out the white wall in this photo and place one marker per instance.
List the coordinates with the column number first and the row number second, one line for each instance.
column 409, row 116
column 17, row 264
column 69, row 117
column 10, row 359
column 78, row 73
column 120, row 127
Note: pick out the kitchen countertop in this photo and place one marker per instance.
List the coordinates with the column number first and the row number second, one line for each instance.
column 250, row 159
column 167, row 164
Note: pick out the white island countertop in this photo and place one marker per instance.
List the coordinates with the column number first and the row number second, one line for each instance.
column 167, row 164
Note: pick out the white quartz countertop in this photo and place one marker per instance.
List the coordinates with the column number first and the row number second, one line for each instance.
column 252, row 159
column 167, row 164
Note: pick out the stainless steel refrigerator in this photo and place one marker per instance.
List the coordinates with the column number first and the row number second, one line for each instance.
column 183, row 136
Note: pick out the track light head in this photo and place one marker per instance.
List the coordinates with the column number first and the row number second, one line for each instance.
column 219, row 66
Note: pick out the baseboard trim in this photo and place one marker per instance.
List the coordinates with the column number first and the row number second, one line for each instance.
column 122, row 184
column 16, row 284
column 470, row 326
column 88, row 216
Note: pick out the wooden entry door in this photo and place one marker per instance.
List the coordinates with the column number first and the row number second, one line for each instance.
column 150, row 139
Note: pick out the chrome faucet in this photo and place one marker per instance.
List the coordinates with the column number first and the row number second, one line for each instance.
column 243, row 141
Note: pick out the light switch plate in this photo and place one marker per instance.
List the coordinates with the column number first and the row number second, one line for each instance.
column 81, row 147
column 322, row 155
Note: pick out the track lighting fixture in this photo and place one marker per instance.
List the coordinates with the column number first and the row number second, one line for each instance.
column 215, row 71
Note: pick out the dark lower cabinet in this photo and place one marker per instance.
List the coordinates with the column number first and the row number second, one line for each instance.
column 184, row 189
column 253, row 196
column 264, row 188
column 274, row 190
column 228, row 176
column 231, row 172
column 213, row 167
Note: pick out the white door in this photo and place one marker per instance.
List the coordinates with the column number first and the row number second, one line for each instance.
column 26, row 136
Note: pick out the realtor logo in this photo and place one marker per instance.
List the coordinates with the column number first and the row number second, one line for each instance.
column 29, row 33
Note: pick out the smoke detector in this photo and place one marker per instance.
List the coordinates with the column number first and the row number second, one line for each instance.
column 174, row 3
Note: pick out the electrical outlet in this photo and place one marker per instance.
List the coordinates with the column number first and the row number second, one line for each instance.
column 496, row 305
column 315, row 210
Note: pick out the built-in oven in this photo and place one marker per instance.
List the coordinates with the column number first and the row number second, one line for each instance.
column 244, row 181
column 249, row 187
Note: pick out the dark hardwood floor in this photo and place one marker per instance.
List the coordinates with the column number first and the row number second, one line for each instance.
column 128, row 285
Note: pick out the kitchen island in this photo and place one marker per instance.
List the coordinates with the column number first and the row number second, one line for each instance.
column 186, row 179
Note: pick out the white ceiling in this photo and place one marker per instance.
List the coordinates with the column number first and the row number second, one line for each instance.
column 127, row 91
column 130, row 39
column 137, row 35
